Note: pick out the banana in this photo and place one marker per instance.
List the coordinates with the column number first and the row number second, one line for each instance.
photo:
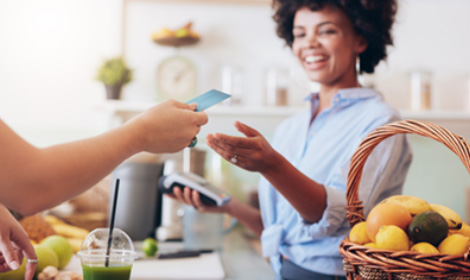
column 163, row 33
column 53, row 220
column 453, row 219
column 464, row 230
column 70, row 231
column 76, row 243
column 414, row 204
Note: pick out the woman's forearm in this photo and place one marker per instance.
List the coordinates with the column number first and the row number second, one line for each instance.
column 247, row 215
column 305, row 195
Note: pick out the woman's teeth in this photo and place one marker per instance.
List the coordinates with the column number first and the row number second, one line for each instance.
column 314, row 58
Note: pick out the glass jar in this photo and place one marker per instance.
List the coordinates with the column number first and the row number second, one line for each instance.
column 232, row 83
column 420, row 87
column 277, row 82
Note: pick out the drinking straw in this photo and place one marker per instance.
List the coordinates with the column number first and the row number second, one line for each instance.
column 111, row 225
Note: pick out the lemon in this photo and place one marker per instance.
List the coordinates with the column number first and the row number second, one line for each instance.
column 392, row 238
column 424, row 247
column 455, row 244
column 149, row 247
column 371, row 245
column 358, row 234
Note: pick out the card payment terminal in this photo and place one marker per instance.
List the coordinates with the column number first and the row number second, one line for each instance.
column 209, row 194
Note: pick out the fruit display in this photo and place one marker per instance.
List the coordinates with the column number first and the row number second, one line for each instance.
column 54, row 242
column 183, row 36
column 408, row 223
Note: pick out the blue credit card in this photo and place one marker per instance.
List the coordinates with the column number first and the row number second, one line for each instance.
column 208, row 99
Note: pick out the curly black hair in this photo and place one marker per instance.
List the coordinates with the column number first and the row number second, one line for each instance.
column 372, row 19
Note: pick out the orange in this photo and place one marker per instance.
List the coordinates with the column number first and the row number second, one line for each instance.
column 385, row 214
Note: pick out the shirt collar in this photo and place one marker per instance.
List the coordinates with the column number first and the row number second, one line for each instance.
column 349, row 93
column 343, row 97
column 345, row 94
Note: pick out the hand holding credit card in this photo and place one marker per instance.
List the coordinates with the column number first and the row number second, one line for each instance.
column 204, row 101
column 208, row 99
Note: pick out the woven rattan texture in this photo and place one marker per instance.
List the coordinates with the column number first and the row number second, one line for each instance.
column 364, row 263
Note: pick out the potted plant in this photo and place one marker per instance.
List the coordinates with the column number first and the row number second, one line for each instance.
column 114, row 73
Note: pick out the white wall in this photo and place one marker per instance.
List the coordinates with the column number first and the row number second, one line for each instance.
column 429, row 34
column 49, row 51
column 432, row 35
column 238, row 35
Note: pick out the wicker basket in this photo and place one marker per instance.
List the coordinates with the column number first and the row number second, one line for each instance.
column 365, row 263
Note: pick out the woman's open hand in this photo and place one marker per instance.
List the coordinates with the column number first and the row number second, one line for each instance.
column 252, row 152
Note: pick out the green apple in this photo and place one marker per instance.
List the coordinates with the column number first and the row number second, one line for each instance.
column 46, row 257
column 61, row 246
column 15, row 274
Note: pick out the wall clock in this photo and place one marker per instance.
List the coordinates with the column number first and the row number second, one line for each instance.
column 176, row 78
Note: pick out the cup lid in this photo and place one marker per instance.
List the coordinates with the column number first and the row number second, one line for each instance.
column 97, row 241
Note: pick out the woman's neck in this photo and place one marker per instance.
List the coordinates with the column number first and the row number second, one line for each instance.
column 327, row 93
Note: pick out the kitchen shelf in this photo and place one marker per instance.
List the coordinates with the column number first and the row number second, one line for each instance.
column 118, row 107
column 267, row 118
column 436, row 115
column 263, row 2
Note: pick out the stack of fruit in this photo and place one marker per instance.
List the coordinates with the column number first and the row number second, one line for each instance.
column 183, row 36
column 55, row 242
column 74, row 234
column 408, row 223
column 53, row 252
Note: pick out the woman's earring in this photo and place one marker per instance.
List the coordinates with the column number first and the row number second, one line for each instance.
column 358, row 66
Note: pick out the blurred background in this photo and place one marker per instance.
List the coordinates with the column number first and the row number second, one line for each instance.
column 50, row 51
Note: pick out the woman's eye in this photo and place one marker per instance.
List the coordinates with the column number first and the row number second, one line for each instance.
column 327, row 32
column 298, row 34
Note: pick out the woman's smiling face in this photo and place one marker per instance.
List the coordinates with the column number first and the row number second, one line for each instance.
column 327, row 45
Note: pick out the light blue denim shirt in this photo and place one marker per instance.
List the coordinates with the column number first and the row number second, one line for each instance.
column 323, row 151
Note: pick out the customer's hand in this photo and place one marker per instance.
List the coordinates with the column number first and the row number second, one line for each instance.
column 168, row 127
column 252, row 152
column 14, row 244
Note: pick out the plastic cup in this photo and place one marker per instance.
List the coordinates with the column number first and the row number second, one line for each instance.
column 98, row 263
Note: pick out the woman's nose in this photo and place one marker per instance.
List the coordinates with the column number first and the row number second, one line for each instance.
column 312, row 40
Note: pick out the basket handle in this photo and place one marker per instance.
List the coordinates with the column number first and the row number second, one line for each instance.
column 456, row 143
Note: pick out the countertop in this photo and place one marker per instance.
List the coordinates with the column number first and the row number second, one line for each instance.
column 239, row 259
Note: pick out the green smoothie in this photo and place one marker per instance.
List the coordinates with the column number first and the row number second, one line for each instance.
column 106, row 273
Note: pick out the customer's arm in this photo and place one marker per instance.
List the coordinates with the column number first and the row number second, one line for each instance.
column 33, row 179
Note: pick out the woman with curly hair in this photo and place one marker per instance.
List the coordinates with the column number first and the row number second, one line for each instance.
column 304, row 172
